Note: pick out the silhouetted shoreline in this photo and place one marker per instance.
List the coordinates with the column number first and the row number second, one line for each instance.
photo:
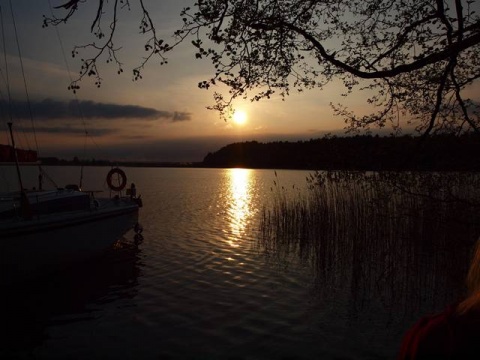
column 374, row 153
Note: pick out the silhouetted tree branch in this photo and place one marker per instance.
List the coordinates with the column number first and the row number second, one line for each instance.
column 416, row 57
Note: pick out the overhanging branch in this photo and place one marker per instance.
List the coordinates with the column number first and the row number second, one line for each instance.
column 452, row 50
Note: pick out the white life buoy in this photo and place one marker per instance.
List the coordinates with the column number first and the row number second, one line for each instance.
column 123, row 179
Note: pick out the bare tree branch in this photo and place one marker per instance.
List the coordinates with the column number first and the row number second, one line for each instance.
column 415, row 56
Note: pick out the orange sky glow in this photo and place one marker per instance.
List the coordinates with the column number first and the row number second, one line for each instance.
column 162, row 117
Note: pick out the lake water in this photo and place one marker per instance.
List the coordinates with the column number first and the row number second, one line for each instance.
column 199, row 285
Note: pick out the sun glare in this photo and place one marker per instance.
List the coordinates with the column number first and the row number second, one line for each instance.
column 239, row 117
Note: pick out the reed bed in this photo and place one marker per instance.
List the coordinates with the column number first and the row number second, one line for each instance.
column 401, row 240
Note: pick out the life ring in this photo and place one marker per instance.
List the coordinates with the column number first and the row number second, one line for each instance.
column 123, row 177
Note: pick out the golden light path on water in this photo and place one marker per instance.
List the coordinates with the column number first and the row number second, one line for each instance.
column 240, row 207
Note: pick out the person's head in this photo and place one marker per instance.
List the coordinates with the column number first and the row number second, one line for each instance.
column 472, row 302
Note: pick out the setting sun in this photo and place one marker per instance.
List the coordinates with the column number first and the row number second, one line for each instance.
column 239, row 117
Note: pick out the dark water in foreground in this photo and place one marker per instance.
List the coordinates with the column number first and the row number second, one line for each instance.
column 199, row 285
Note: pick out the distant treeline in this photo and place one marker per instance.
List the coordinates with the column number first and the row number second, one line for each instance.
column 439, row 152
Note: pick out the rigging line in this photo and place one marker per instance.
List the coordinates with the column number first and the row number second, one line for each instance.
column 7, row 80
column 2, row 97
column 84, row 123
column 3, row 101
column 3, row 104
column 43, row 172
column 24, row 77
column 79, row 108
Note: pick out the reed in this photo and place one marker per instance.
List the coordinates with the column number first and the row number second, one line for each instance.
column 401, row 240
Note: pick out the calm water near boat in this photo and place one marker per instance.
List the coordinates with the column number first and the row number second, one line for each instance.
column 199, row 284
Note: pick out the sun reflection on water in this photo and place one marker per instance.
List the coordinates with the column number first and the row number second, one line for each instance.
column 240, row 207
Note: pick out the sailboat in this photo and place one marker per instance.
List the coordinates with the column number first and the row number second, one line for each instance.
column 41, row 230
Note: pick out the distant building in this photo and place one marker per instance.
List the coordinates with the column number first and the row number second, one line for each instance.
column 7, row 155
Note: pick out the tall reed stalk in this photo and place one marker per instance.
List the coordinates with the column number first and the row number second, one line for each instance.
column 399, row 239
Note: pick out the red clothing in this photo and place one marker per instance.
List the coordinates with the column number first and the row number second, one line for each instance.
column 443, row 336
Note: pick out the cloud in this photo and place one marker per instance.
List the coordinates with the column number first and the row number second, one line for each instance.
column 66, row 130
column 50, row 109
column 181, row 116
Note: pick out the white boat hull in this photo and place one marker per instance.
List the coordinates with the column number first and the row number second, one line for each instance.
column 31, row 246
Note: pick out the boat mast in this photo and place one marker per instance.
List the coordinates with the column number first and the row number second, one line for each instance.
column 15, row 156
column 10, row 123
column 25, row 208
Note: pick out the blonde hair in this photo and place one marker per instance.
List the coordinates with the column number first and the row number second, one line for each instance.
column 472, row 301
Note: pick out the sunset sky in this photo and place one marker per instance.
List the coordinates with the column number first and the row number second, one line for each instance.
column 162, row 117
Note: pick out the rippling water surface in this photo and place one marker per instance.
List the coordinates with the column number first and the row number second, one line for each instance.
column 199, row 285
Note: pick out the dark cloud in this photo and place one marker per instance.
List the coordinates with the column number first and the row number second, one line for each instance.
column 50, row 109
column 181, row 116
column 136, row 137
column 65, row 130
